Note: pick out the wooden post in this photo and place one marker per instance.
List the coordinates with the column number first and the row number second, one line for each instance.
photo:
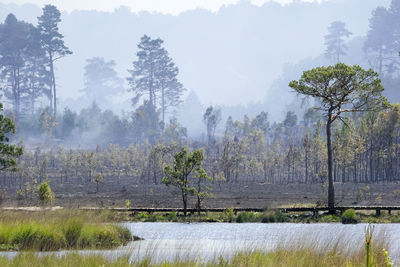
column 378, row 212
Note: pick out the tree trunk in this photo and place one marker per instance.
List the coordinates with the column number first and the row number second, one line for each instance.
column 331, row 191
column 53, row 78
column 51, row 83
column 184, row 199
column 163, row 109
column 198, row 205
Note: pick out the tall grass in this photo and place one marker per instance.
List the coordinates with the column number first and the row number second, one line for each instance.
column 73, row 234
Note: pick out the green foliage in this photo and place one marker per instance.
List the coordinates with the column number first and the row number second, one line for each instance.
column 45, row 195
column 172, row 217
column 128, row 204
column 178, row 175
column 150, row 217
column 349, row 217
column 340, row 89
column 248, row 216
column 228, row 215
column 72, row 230
column 8, row 153
column 275, row 217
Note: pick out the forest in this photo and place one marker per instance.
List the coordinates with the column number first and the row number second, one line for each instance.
column 95, row 145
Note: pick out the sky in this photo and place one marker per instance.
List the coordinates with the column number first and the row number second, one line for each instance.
column 174, row 7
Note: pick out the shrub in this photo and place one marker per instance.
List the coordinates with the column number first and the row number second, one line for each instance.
column 275, row 217
column 248, row 216
column 172, row 217
column 228, row 215
column 349, row 217
column 45, row 194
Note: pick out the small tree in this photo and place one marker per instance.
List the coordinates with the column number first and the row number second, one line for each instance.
column 45, row 194
column 211, row 118
column 8, row 153
column 185, row 164
column 340, row 89
column 98, row 178
column 200, row 191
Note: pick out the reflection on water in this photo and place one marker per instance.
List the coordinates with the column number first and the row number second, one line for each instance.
column 207, row 241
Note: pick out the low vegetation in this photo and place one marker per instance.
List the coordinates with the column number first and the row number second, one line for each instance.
column 55, row 230
column 268, row 216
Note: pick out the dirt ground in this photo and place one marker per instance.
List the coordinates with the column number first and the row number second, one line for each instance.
column 226, row 195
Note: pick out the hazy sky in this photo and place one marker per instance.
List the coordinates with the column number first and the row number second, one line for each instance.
column 162, row 6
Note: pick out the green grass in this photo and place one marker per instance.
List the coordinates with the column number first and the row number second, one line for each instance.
column 109, row 216
column 54, row 231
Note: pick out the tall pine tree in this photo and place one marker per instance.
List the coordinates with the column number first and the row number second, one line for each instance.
column 53, row 43
column 335, row 41
column 155, row 74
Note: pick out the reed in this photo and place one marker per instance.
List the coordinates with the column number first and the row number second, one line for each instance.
column 53, row 236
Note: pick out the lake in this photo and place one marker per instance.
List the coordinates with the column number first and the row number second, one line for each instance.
column 207, row 241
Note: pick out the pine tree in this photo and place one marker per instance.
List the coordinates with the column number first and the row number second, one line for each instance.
column 53, row 43
column 341, row 89
column 334, row 41
column 154, row 74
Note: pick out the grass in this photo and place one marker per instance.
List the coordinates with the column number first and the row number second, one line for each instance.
column 268, row 216
column 297, row 255
column 55, row 230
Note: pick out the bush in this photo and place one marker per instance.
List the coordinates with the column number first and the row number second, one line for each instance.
column 276, row 217
column 172, row 217
column 349, row 217
column 248, row 216
column 228, row 215
column 45, row 195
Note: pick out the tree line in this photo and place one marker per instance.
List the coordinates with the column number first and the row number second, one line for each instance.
column 27, row 57
column 365, row 149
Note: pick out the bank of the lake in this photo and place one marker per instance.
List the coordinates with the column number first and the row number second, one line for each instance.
column 267, row 216
column 273, row 215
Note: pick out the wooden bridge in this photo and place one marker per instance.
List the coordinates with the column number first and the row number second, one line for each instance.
column 314, row 210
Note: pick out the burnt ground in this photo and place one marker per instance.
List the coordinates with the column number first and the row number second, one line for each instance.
column 227, row 195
